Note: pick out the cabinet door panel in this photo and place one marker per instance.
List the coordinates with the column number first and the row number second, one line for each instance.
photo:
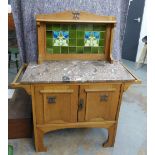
column 59, row 104
column 100, row 102
column 57, row 107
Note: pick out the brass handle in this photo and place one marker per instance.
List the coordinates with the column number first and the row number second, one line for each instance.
column 51, row 99
column 103, row 98
column 81, row 104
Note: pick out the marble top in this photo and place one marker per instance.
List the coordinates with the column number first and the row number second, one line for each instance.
column 75, row 71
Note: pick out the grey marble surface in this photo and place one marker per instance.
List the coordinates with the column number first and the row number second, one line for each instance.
column 75, row 71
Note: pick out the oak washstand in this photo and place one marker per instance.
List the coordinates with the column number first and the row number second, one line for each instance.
column 75, row 83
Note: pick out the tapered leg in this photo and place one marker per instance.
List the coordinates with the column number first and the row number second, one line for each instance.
column 111, row 136
column 39, row 143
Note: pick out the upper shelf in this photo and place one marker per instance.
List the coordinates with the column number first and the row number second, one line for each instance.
column 67, row 16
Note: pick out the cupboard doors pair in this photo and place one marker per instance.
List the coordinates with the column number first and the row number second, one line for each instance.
column 56, row 104
column 71, row 103
column 98, row 102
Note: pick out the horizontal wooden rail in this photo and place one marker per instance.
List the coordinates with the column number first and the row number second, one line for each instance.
column 57, row 91
column 50, row 127
column 100, row 90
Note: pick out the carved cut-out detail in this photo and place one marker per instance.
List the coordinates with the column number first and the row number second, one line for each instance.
column 76, row 15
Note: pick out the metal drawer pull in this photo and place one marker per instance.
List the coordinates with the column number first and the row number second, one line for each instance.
column 103, row 98
column 51, row 99
column 81, row 104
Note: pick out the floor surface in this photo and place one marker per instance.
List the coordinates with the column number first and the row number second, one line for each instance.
column 131, row 132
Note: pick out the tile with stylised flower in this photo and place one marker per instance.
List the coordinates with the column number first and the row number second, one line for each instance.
column 60, row 38
column 92, row 38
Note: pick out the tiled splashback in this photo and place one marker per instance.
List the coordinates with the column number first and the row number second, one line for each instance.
column 75, row 38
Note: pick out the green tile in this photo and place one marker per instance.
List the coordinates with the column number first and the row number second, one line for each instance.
column 80, row 42
column 56, row 27
column 88, row 27
column 49, row 50
column 101, row 42
column 72, row 34
column 72, row 42
column 64, row 49
column 101, row 49
column 49, row 42
column 102, row 35
column 94, row 49
column 64, row 27
column 49, row 28
column 79, row 49
column 56, row 49
column 72, row 49
column 98, row 27
column 87, row 49
column 80, row 27
column 49, row 34
column 72, row 27
column 80, row 34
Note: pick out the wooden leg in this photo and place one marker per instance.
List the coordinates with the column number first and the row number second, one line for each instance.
column 39, row 144
column 111, row 136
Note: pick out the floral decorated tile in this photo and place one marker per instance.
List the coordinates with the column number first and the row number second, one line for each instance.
column 92, row 38
column 60, row 38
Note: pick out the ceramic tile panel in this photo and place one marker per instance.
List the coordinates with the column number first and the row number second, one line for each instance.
column 75, row 38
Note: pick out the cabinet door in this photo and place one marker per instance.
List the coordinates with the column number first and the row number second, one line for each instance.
column 98, row 102
column 59, row 104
